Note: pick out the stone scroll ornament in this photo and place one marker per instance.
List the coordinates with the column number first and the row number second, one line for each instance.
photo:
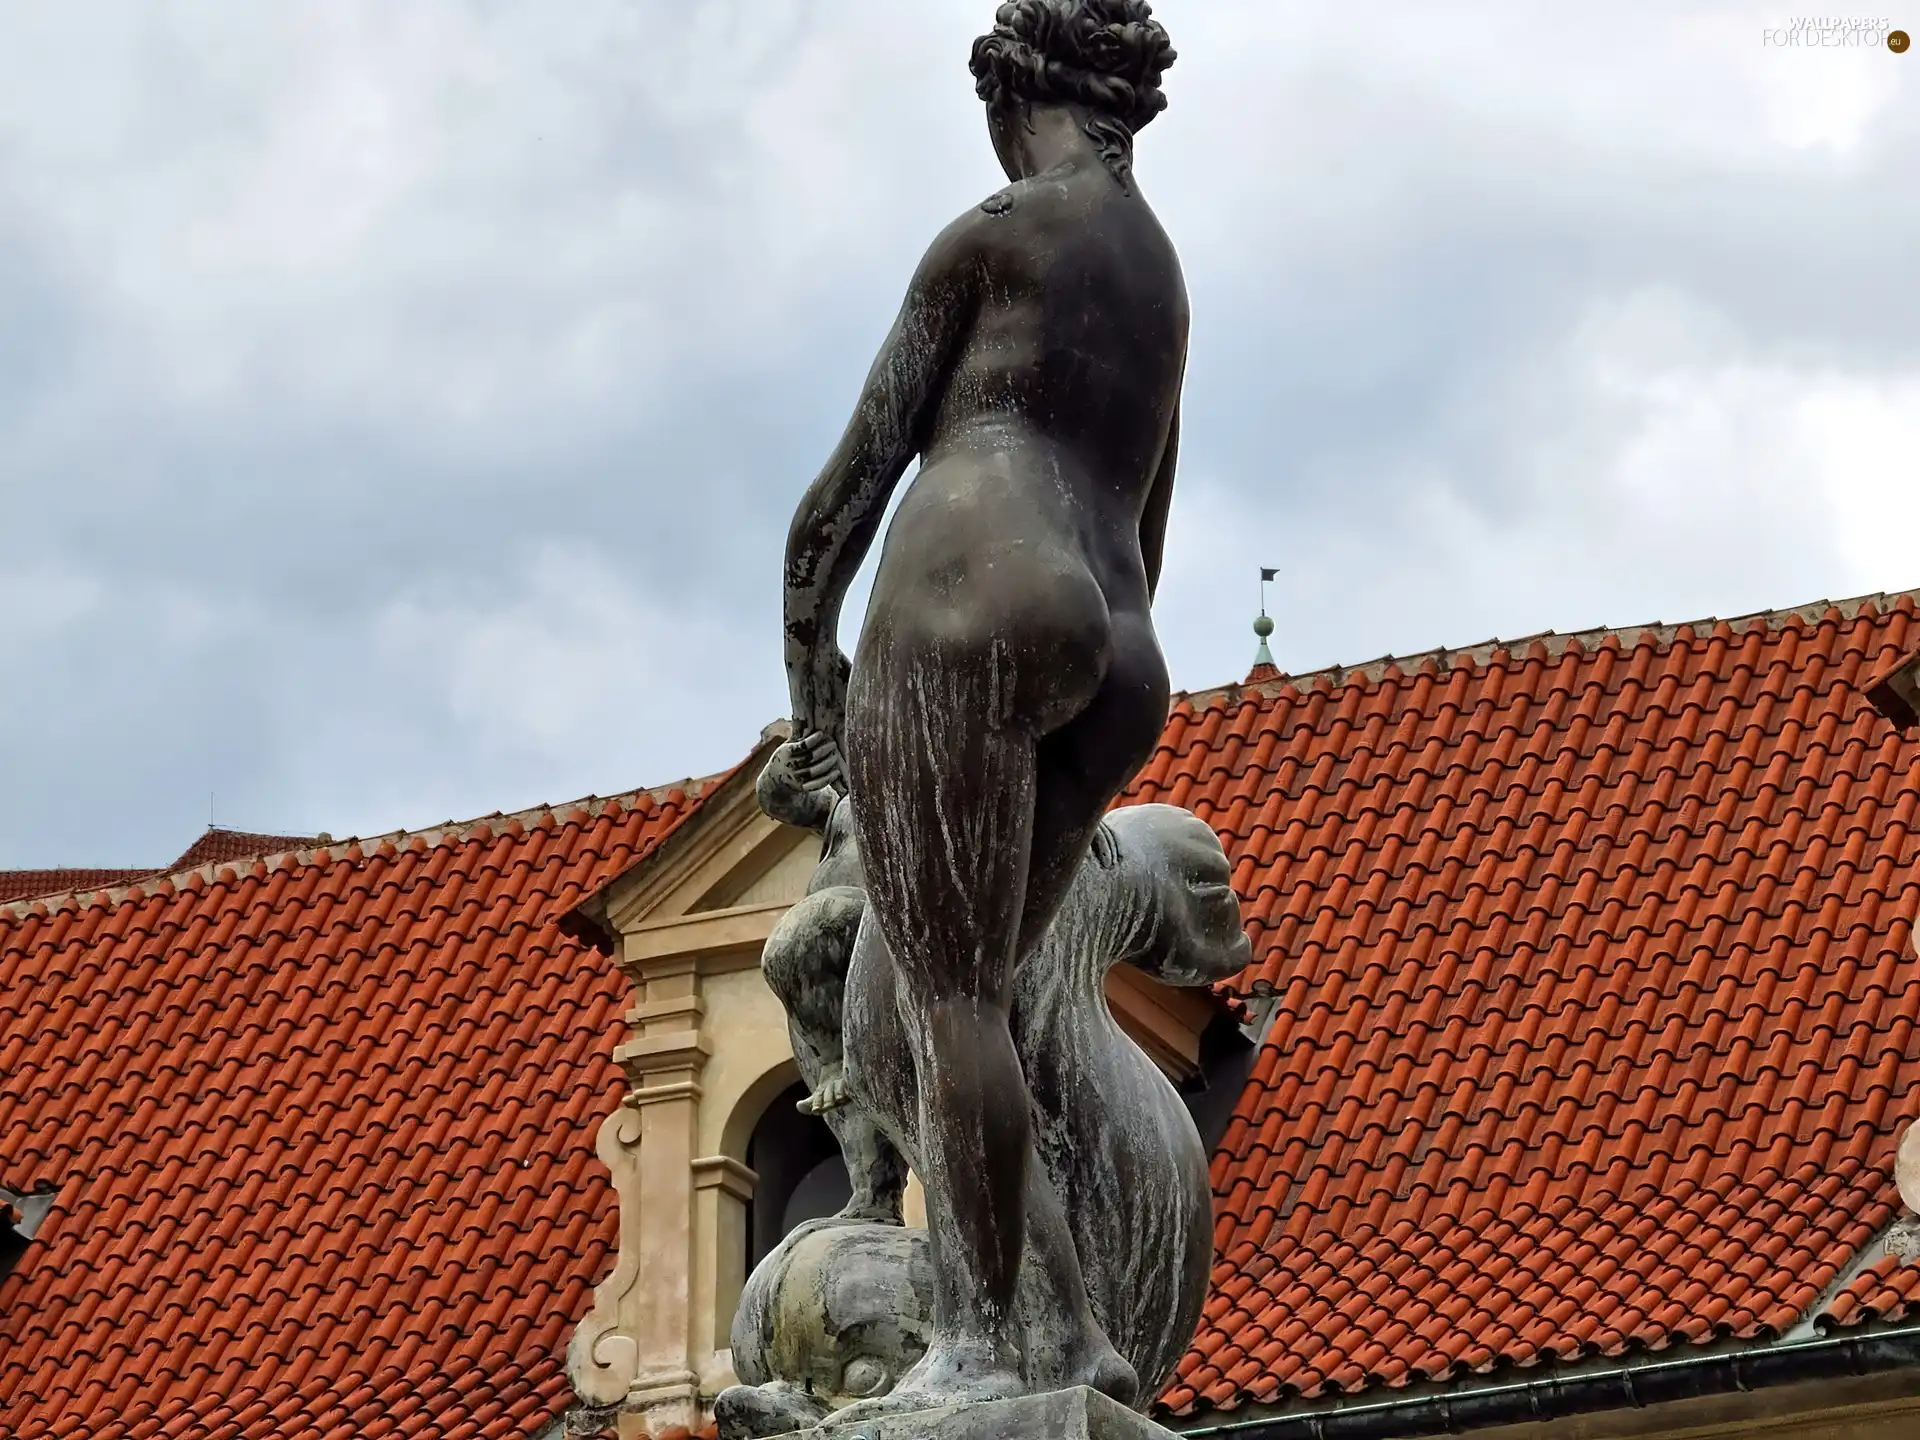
column 1006, row 687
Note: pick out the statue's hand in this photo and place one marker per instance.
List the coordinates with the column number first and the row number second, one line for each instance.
column 787, row 790
column 815, row 762
column 829, row 1094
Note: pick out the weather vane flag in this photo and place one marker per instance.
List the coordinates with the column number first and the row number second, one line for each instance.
column 1262, row 625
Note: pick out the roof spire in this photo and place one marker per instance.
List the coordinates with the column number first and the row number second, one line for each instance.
column 1263, row 666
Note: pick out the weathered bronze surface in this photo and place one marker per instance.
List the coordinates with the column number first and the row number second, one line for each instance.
column 841, row 1312
column 1063, row 1415
column 1008, row 682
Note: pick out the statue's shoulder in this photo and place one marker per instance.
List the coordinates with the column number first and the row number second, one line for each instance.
column 1001, row 202
column 960, row 248
column 1022, row 197
column 990, row 227
column 985, row 234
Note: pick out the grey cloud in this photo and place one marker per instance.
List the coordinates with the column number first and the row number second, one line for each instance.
column 409, row 405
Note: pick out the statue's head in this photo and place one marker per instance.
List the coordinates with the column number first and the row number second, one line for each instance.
column 837, row 1313
column 1190, row 930
column 1105, row 56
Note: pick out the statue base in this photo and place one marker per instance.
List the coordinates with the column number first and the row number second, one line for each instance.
column 1076, row 1414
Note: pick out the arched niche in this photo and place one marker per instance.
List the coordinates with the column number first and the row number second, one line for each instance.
column 801, row 1174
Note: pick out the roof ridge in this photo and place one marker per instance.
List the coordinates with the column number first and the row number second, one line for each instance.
column 54, row 874
column 693, row 787
column 1557, row 642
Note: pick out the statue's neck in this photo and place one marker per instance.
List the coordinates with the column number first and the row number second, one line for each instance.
column 1051, row 137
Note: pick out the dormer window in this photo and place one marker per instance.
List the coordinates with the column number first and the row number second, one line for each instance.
column 1896, row 694
column 21, row 1214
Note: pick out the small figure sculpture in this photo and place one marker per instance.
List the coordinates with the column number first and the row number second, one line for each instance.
column 1008, row 683
column 842, row 1308
column 805, row 961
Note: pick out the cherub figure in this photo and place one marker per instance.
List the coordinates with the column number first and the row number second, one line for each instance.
column 805, row 962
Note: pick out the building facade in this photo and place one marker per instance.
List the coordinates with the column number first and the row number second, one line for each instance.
column 1579, row 1038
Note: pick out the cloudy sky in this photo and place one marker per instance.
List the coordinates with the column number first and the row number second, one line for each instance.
column 402, row 407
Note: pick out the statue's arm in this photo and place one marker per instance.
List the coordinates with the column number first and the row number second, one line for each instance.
column 1153, row 520
column 840, row 514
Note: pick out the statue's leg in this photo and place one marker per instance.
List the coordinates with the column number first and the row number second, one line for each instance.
column 805, row 962
column 1086, row 762
column 943, row 807
column 948, row 791
column 1081, row 767
column 1065, row 1342
column 878, row 1172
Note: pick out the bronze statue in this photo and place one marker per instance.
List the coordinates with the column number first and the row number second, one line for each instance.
column 1008, row 683
column 839, row 1313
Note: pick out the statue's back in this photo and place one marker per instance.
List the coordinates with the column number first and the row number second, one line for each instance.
column 1081, row 332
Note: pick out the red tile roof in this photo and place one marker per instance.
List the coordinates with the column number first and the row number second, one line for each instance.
column 227, row 846
column 224, row 845
column 323, row 1133
column 1886, row 1290
column 25, row 884
column 1596, row 1018
column 1597, row 1013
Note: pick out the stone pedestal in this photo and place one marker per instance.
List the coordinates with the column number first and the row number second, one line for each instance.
column 1077, row 1414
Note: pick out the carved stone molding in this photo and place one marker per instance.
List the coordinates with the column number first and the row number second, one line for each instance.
column 603, row 1358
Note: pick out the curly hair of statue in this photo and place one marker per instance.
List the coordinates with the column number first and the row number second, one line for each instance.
column 1107, row 55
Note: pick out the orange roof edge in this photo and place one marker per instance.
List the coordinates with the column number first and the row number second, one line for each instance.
column 694, row 788
column 1555, row 643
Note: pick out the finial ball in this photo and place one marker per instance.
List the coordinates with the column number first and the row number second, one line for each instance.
column 1263, row 626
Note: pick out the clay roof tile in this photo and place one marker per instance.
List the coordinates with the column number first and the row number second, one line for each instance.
column 227, row 1062
column 1647, row 922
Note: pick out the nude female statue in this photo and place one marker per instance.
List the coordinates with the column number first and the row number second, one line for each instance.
column 1008, row 682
